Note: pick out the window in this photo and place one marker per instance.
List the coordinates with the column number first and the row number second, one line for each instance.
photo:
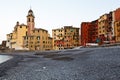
column 28, row 19
column 38, row 41
column 26, row 32
column 32, row 20
column 38, row 37
column 31, row 42
column 11, row 37
column 43, row 41
column 61, row 34
column 65, row 30
column 67, row 45
column 118, row 24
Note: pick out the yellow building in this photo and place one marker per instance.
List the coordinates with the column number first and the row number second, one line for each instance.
column 27, row 37
column 117, row 31
column 102, row 25
column 38, row 40
column 15, row 39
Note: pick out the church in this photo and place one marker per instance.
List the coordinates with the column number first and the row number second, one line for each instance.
column 27, row 37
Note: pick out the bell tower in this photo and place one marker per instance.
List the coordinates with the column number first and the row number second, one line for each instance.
column 30, row 21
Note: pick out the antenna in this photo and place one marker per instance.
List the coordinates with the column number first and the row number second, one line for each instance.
column 30, row 4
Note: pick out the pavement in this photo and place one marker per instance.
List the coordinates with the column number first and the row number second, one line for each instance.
column 101, row 63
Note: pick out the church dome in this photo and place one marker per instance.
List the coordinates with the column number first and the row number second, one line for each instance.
column 30, row 13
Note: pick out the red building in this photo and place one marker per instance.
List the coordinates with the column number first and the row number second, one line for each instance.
column 93, row 31
column 89, row 32
column 117, row 14
column 85, row 33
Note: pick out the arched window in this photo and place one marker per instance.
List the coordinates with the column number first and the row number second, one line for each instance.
column 28, row 19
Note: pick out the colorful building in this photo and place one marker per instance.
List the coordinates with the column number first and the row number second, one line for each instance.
column 71, row 37
column 65, row 38
column 58, row 38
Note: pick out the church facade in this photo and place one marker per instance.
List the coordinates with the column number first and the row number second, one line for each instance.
column 27, row 37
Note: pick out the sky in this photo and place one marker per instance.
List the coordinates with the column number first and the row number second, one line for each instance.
column 52, row 14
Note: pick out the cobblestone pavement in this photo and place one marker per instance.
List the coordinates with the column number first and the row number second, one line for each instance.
column 74, row 64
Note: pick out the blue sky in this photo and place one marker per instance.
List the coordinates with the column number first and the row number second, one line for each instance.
column 52, row 14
